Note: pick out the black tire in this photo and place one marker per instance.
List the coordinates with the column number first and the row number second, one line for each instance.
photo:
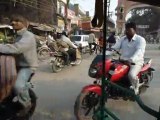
column 32, row 109
column 13, row 108
column 43, row 54
column 57, row 65
column 33, row 101
column 83, row 101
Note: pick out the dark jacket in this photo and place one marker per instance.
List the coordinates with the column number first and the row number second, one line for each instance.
column 111, row 39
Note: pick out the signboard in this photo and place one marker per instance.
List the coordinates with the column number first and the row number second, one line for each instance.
column 143, row 26
column 86, row 25
column 71, row 14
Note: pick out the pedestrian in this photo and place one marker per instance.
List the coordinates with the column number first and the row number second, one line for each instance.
column 25, row 52
column 111, row 40
column 92, row 41
column 132, row 47
column 100, row 42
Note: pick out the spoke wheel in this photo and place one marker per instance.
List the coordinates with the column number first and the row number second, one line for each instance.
column 43, row 54
column 85, row 105
column 57, row 65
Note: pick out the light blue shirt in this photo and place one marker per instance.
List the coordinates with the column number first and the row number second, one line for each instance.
column 132, row 50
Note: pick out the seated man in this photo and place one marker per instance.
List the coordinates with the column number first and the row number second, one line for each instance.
column 132, row 48
column 71, row 50
column 26, row 59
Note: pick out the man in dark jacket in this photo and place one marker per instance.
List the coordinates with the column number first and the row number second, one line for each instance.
column 111, row 40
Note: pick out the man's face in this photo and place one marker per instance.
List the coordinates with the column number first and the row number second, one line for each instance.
column 17, row 25
column 130, row 32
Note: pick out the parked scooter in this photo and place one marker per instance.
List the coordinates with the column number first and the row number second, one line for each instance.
column 116, row 72
column 9, row 106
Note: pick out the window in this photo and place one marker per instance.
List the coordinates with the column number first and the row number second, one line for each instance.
column 75, row 38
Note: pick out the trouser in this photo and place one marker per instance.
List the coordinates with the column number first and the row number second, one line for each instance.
column 72, row 54
column 66, row 57
column 101, row 49
column 134, row 70
column 21, row 88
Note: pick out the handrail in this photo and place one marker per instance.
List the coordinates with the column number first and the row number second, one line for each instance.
column 138, row 100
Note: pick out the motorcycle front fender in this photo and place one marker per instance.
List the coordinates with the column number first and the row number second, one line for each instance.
column 92, row 88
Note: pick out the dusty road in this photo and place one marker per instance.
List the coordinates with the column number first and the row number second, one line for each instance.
column 57, row 92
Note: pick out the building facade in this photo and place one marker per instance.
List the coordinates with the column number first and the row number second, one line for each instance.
column 41, row 11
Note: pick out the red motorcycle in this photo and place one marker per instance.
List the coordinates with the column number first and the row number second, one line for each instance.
column 117, row 73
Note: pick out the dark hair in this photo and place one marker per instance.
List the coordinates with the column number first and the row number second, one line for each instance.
column 20, row 19
column 113, row 33
column 130, row 25
column 64, row 33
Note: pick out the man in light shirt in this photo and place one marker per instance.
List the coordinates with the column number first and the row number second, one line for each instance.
column 92, row 41
column 71, row 50
column 132, row 47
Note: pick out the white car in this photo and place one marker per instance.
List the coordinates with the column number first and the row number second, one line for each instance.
column 81, row 41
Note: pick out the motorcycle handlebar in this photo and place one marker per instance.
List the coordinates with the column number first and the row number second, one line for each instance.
column 126, row 61
column 112, row 49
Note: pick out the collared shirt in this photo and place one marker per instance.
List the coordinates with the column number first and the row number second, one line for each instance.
column 132, row 50
column 92, row 38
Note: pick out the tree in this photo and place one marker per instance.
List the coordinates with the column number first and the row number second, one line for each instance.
column 146, row 16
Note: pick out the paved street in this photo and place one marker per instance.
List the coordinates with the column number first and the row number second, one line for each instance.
column 57, row 92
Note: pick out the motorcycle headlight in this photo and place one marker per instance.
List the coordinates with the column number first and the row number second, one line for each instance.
column 93, row 72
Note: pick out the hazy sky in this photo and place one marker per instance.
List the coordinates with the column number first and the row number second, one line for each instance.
column 88, row 5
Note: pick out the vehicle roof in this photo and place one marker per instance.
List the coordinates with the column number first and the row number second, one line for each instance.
column 6, row 26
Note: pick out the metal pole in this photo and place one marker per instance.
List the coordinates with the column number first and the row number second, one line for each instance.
column 104, row 64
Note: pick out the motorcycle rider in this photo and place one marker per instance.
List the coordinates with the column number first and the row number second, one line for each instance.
column 92, row 41
column 132, row 48
column 72, row 48
column 24, row 49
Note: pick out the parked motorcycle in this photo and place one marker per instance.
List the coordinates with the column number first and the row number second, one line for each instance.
column 9, row 106
column 116, row 72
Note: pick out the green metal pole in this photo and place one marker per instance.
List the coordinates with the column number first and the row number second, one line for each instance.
column 103, row 97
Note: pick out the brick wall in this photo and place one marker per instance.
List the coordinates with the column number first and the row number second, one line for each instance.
column 42, row 11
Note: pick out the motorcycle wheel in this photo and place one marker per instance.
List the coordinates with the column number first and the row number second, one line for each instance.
column 12, row 109
column 34, row 103
column 43, row 54
column 57, row 65
column 32, row 109
column 85, row 105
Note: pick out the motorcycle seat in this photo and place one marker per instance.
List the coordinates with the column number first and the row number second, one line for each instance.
column 147, row 60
